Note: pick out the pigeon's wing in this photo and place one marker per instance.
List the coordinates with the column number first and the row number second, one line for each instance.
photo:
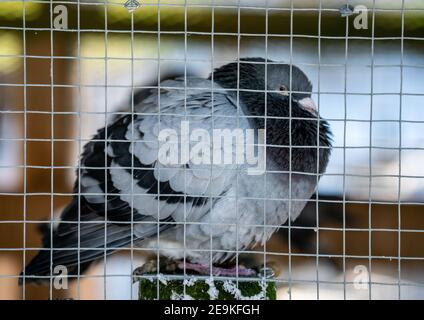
column 158, row 169
column 125, row 192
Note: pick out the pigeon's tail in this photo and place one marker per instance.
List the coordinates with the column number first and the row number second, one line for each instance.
column 70, row 248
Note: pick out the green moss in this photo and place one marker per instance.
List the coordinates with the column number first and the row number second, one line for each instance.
column 200, row 289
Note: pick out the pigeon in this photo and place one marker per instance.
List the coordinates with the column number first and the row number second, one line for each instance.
column 200, row 214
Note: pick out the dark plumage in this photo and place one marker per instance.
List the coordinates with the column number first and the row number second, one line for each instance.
column 137, row 193
column 303, row 124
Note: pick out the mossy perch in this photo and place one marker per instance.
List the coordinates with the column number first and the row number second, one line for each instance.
column 199, row 287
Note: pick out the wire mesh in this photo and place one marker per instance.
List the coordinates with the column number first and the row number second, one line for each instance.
column 101, row 67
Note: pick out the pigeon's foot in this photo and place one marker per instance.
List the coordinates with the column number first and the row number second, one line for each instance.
column 154, row 266
column 167, row 266
column 205, row 269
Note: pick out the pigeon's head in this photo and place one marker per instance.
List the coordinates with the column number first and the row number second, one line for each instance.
column 252, row 77
column 271, row 94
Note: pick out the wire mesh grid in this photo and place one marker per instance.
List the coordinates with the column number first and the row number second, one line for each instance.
column 399, row 236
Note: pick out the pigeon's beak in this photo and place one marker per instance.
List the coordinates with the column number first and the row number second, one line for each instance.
column 309, row 105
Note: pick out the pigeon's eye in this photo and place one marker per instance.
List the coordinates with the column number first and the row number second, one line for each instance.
column 284, row 90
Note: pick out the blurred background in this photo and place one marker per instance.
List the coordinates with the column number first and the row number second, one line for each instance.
column 58, row 86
